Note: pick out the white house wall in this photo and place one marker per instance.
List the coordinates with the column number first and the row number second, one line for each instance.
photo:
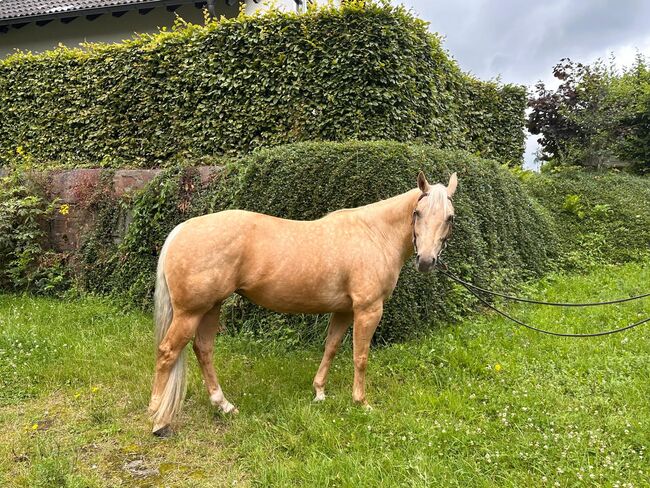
column 105, row 28
column 286, row 5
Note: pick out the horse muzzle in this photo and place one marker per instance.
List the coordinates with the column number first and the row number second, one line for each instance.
column 425, row 265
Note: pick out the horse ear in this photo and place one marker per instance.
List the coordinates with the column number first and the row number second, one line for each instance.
column 451, row 186
column 423, row 184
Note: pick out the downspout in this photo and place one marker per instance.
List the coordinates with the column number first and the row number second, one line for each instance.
column 212, row 7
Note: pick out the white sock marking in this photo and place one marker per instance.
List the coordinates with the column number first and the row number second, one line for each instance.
column 219, row 400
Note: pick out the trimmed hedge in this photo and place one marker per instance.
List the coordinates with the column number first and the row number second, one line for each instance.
column 499, row 236
column 360, row 71
column 600, row 217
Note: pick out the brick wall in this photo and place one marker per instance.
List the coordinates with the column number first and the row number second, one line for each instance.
column 68, row 186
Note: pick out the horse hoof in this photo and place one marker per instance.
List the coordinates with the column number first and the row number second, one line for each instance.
column 320, row 397
column 229, row 408
column 365, row 406
column 163, row 432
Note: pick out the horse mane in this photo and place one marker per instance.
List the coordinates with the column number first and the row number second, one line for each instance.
column 438, row 196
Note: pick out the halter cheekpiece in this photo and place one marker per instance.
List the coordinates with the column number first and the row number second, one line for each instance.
column 415, row 212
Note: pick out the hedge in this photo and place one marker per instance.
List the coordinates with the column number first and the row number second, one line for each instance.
column 600, row 217
column 500, row 236
column 360, row 71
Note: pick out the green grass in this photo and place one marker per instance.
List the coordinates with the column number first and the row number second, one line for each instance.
column 75, row 379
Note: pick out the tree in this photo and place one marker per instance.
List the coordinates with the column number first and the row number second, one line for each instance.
column 596, row 117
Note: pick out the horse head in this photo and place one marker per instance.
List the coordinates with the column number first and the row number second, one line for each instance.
column 433, row 219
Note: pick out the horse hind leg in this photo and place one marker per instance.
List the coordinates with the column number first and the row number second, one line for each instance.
column 170, row 376
column 203, row 348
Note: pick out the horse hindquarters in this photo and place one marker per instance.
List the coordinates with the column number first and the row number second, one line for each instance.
column 193, row 311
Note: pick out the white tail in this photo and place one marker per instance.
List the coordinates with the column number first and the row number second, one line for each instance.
column 174, row 392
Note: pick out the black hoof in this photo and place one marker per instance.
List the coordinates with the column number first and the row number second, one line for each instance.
column 163, row 432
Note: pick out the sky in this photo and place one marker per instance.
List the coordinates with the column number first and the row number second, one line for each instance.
column 519, row 41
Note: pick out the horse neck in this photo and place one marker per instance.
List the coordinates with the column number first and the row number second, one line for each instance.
column 391, row 221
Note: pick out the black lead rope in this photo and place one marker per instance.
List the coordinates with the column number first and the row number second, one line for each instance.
column 538, row 302
column 473, row 289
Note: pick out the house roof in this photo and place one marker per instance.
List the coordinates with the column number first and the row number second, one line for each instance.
column 20, row 12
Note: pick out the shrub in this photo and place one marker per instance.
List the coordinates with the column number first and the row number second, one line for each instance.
column 361, row 71
column 499, row 235
column 25, row 261
column 600, row 217
column 94, row 262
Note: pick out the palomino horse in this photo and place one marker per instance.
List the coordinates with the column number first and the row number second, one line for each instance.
column 346, row 263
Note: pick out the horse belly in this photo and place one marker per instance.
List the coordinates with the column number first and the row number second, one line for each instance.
column 297, row 296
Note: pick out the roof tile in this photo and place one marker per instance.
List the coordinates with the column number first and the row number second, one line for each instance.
column 26, row 9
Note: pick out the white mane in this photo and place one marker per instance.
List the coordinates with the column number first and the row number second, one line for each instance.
column 438, row 196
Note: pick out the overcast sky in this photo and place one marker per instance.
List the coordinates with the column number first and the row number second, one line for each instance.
column 521, row 40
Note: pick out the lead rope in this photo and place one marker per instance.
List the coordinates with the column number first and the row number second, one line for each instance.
column 473, row 289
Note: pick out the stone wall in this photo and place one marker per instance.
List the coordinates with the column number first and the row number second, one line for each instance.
column 69, row 187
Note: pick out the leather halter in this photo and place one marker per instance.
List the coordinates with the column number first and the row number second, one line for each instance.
column 415, row 213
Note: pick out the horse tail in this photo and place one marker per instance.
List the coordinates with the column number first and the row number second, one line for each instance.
column 174, row 392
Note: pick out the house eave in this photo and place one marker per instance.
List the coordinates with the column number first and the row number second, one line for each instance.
column 18, row 22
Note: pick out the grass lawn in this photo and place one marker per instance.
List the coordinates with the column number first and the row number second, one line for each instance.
column 479, row 403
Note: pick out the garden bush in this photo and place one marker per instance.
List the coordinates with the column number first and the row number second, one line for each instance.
column 500, row 237
column 600, row 217
column 26, row 262
column 360, row 71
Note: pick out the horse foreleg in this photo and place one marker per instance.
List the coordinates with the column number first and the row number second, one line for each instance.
column 365, row 323
column 338, row 326
column 203, row 348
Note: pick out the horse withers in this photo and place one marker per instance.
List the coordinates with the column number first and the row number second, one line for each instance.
column 346, row 263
